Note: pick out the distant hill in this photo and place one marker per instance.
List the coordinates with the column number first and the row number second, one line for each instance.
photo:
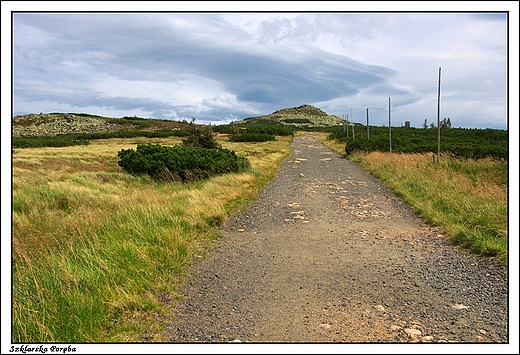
column 304, row 115
column 51, row 124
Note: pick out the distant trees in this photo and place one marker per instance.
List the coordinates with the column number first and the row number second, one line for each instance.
column 258, row 132
column 445, row 123
column 460, row 142
column 200, row 137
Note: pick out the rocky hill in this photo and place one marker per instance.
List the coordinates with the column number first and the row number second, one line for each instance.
column 51, row 124
column 304, row 115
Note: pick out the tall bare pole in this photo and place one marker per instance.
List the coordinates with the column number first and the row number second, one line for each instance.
column 351, row 118
column 389, row 126
column 368, row 129
column 439, row 117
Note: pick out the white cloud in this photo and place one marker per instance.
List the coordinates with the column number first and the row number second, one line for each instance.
column 230, row 102
column 256, row 63
column 184, row 91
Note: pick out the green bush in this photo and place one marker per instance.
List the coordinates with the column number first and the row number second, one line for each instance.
column 297, row 120
column 200, row 137
column 46, row 141
column 180, row 163
column 460, row 142
column 251, row 137
column 70, row 139
column 272, row 128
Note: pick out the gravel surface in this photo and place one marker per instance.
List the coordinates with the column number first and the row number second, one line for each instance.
column 328, row 254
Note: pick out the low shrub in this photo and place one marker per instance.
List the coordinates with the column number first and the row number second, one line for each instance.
column 200, row 137
column 272, row 128
column 297, row 120
column 70, row 139
column 180, row 163
column 46, row 141
column 459, row 142
column 251, row 137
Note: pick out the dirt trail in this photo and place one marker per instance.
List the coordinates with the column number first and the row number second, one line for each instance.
column 329, row 254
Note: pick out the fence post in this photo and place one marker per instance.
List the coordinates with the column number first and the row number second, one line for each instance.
column 368, row 129
column 389, row 126
column 438, row 117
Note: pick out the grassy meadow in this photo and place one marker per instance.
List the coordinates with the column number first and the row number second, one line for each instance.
column 468, row 198
column 97, row 252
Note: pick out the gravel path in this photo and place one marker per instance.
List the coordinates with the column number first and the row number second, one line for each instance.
column 328, row 254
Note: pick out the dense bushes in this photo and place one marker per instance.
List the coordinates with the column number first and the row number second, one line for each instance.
column 245, row 132
column 180, row 163
column 46, row 141
column 64, row 140
column 251, row 137
column 464, row 143
column 274, row 130
column 200, row 137
column 297, row 120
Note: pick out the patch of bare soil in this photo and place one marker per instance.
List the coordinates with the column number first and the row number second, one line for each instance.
column 328, row 254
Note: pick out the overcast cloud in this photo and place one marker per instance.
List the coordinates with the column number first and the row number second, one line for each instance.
column 220, row 67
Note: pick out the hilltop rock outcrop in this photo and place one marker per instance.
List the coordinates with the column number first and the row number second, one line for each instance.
column 53, row 124
column 304, row 115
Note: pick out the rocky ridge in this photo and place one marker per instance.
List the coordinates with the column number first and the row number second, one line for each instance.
column 304, row 115
column 53, row 124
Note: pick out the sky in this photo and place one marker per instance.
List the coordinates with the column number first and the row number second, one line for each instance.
column 224, row 66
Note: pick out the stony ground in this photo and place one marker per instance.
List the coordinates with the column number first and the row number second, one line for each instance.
column 53, row 124
column 328, row 254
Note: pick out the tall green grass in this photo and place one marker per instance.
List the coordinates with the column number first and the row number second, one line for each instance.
column 98, row 253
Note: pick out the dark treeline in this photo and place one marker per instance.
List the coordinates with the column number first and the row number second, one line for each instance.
column 263, row 128
column 460, row 142
column 262, row 131
column 64, row 140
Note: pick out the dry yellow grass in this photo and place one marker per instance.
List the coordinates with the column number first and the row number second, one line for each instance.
column 93, row 245
column 331, row 143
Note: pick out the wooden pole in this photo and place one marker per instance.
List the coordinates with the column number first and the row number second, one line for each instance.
column 439, row 117
column 389, row 126
column 368, row 129
column 351, row 118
